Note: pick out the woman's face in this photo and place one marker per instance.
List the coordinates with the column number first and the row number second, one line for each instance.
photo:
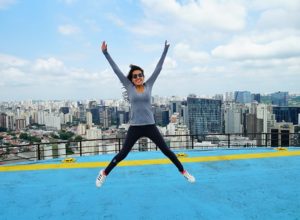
column 137, row 77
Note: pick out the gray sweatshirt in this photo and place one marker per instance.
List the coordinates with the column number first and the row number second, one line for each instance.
column 141, row 111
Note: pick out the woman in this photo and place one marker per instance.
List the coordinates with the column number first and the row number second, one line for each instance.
column 142, row 122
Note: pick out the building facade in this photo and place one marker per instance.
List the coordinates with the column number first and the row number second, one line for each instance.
column 205, row 115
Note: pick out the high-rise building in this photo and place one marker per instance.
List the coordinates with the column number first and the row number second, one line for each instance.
column 122, row 117
column 280, row 98
column 92, row 147
column 219, row 97
column 89, row 119
column 181, row 136
column 265, row 113
column 106, row 117
column 41, row 117
column 161, row 115
column 95, row 115
column 175, row 106
column 3, row 120
column 52, row 121
column 204, row 115
column 287, row 114
column 229, row 96
column 82, row 112
column 64, row 110
column 7, row 121
column 254, row 127
column 233, row 117
column 20, row 123
column 185, row 115
column 256, row 97
column 281, row 134
column 81, row 129
column 242, row 97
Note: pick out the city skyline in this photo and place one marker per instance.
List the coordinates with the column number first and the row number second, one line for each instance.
column 50, row 50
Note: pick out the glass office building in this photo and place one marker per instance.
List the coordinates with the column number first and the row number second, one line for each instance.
column 204, row 115
column 287, row 114
column 280, row 98
column 242, row 97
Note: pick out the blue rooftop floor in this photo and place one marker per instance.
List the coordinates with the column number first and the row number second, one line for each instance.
column 265, row 188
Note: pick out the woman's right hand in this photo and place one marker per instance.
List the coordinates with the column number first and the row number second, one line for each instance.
column 104, row 47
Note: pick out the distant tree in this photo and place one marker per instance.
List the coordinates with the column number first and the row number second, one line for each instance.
column 2, row 129
column 12, row 133
column 78, row 138
column 33, row 139
column 54, row 136
column 23, row 136
column 65, row 135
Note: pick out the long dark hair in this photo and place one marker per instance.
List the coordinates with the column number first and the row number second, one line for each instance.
column 129, row 76
column 133, row 68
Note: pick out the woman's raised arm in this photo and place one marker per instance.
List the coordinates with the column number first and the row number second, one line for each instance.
column 159, row 65
column 114, row 66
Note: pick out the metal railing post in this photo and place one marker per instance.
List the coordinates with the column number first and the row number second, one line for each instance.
column 228, row 141
column 39, row 152
column 119, row 142
column 80, row 148
column 192, row 141
column 266, row 140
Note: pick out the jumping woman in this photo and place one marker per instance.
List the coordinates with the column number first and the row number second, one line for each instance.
column 142, row 122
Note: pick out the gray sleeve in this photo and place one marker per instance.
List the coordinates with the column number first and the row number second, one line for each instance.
column 158, row 67
column 116, row 69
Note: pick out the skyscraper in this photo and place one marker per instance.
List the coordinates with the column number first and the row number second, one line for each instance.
column 233, row 117
column 280, row 98
column 204, row 115
column 256, row 97
column 286, row 114
column 242, row 97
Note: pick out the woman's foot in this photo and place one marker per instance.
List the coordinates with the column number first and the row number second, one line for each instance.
column 188, row 176
column 100, row 178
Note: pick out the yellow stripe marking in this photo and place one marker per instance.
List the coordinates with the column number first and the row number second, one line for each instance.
column 6, row 168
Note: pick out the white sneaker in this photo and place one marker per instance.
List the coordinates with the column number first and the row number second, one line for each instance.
column 188, row 176
column 100, row 178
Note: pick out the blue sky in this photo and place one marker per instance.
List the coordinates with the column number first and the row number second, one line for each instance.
column 50, row 49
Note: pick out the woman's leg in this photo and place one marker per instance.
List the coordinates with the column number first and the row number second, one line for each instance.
column 154, row 134
column 131, row 137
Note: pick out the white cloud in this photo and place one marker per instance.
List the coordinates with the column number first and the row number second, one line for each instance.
column 279, row 18
column 170, row 63
column 147, row 28
column 206, row 14
column 50, row 70
column 248, row 48
column 115, row 19
column 68, row 29
column 12, row 73
column 6, row 3
column 271, row 4
column 8, row 60
column 51, row 65
column 185, row 53
column 14, row 77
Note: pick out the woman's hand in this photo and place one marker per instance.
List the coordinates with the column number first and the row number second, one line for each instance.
column 104, row 47
column 167, row 44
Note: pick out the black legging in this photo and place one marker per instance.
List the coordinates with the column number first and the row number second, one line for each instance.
column 136, row 132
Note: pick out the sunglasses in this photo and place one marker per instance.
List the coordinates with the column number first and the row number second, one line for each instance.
column 135, row 76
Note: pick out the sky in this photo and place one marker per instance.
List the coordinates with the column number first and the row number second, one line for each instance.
column 50, row 49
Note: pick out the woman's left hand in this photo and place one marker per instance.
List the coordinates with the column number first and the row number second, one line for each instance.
column 167, row 44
